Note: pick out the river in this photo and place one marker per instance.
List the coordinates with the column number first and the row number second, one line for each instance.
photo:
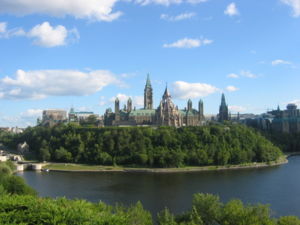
column 278, row 186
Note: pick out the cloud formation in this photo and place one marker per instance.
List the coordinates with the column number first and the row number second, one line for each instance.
column 188, row 43
column 183, row 16
column 185, row 90
column 231, row 10
column 233, row 75
column 3, row 27
column 295, row 4
column 248, row 74
column 243, row 73
column 280, row 61
column 168, row 2
column 237, row 108
column 231, row 88
column 43, row 35
column 99, row 10
column 136, row 100
column 40, row 84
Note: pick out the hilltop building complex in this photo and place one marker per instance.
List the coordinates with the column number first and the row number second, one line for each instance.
column 166, row 114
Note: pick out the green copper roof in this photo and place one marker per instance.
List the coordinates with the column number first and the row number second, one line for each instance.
column 189, row 113
column 142, row 112
column 148, row 82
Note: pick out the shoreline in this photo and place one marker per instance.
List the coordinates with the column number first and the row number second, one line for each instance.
column 106, row 169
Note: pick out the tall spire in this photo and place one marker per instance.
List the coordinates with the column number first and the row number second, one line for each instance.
column 148, row 94
column 223, row 101
column 148, row 82
column 223, row 110
column 166, row 93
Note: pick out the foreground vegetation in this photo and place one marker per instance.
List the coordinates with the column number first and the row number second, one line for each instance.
column 148, row 147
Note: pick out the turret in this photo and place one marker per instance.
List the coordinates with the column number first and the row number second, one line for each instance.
column 117, row 109
column 189, row 105
column 201, row 110
column 129, row 105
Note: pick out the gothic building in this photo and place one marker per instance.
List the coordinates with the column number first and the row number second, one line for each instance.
column 166, row 114
column 223, row 110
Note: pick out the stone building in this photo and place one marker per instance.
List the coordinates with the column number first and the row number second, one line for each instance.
column 166, row 114
column 53, row 116
column 286, row 121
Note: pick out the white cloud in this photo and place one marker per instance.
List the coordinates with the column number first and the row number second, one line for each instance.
column 39, row 84
column 183, row 16
column 32, row 113
column 280, row 61
column 184, row 90
column 44, row 34
column 3, row 27
column 100, row 10
column 236, row 108
column 232, row 88
column 231, row 10
column 243, row 73
column 295, row 4
column 233, row 75
column 136, row 100
column 168, row 2
column 246, row 73
column 47, row 36
column 297, row 102
column 188, row 43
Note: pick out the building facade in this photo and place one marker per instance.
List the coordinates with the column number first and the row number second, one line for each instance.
column 286, row 121
column 53, row 116
column 166, row 114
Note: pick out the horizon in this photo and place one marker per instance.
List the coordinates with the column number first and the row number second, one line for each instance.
column 85, row 54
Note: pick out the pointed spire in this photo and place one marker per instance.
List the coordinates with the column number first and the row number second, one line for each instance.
column 129, row 99
column 117, row 99
column 223, row 101
column 148, row 82
column 166, row 94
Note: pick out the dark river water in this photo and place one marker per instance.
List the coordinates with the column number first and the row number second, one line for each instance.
column 277, row 186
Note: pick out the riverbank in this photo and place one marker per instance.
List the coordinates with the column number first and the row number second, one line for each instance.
column 70, row 167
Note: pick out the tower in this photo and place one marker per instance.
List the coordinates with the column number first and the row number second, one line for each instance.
column 201, row 110
column 129, row 105
column 189, row 105
column 148, row 94
column 117, row 109
column 223, row 110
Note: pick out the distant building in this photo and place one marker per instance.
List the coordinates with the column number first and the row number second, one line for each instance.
column 79, row 116
column 85, row 118
column 166, row 114
column 53, row 116
column 223, row 110
column 286, row 121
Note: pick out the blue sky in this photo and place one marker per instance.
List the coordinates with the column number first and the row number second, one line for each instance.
column 58, row 54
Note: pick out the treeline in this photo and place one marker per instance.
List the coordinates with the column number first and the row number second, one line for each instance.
column 149, row 147
column 287, row 142
column 206, row 209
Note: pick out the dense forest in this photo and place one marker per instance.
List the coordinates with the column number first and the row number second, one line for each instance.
column 287, row 142
column 20, row 205
column 148, row 147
